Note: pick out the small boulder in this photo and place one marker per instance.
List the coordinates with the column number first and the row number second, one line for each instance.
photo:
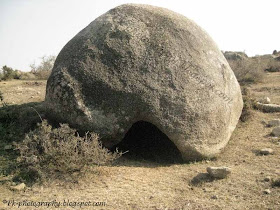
column 276, row 131
column 13, row 184
column 273, row 123
column 19, row 187
column 266, row 151
column 267, row 191
column 265, row 100
column 267, row 179
column 218, row 172
column 214, row 197
column 276, row 182
column 268, row 107
column 235, row 56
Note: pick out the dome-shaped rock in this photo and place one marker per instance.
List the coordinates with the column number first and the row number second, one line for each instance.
column 145, row 63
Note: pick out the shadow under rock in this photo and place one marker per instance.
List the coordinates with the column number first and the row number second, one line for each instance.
column 201, row 178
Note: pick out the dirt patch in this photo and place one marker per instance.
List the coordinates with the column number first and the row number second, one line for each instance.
column 21, row 91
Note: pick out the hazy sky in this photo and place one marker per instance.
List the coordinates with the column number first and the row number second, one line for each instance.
column 30, row 29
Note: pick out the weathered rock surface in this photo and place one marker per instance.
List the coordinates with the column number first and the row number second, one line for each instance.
column 274, row 122
column 268, row 107
column 267, row 191
column 265, row 100
column 276, row 131
column 267, row 179
column 266, row 151
column 18, row 187
column 218, row 172
column 139, row 62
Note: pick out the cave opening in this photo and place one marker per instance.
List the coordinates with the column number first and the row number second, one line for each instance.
column 144, row 141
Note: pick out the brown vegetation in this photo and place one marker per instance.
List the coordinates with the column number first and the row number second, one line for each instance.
column 251, row 69
column 48, row 150
column 248, row 105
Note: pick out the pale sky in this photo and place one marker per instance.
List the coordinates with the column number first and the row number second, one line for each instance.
column 30, row 29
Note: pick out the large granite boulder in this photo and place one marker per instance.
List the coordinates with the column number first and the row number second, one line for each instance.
column 145, row 63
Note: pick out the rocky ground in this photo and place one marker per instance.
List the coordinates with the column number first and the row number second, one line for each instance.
column 138, row 184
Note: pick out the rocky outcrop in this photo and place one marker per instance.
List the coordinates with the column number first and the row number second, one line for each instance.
column 229, row 55
column 268, row 107
column 218, row 172
column 145, row 63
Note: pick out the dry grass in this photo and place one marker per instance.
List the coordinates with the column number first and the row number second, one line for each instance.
column 23, row 91
column 269, row 87
column 146, row 185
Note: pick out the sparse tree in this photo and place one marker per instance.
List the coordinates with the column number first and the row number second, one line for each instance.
column 248, row 70
column 43, row 70
column 7, row 73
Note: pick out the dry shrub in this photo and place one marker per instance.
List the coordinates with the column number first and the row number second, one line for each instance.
column 252, row 69
column 27, row 76
column 272, row 65
column 46, row 150
column 248, row 70
column 44, row 69
column 43, row 75
column 248, row 105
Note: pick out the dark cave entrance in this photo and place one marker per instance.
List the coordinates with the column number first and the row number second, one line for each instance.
column 144, row 141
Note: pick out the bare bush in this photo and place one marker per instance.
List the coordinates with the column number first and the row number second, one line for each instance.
column 251, row 69
column 47, row 150
column 27, row 76
column 43, row 70
column 272, row 65
column 248, row 69
column 248, row 105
